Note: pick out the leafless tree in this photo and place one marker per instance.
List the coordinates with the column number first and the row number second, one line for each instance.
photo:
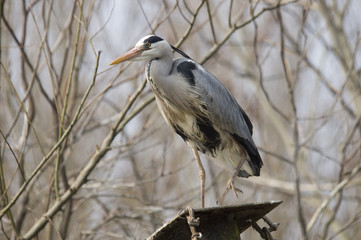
column 85, row 153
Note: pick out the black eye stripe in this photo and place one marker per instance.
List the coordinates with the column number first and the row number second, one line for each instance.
column 153, row 39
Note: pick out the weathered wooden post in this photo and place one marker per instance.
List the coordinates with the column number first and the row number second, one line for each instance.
column 217, row 223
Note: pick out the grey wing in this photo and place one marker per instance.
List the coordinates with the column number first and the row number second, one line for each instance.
column 226, row 113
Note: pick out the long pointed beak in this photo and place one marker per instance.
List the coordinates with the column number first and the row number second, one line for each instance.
column 133, row 53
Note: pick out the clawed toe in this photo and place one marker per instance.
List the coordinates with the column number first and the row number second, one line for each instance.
column 230, row 185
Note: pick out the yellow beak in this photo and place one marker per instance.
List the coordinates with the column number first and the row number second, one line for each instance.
column 133, row 53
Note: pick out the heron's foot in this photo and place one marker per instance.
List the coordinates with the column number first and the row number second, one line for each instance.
column 230, row 186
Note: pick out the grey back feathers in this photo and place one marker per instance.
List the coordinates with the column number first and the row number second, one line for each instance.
column 226, row 114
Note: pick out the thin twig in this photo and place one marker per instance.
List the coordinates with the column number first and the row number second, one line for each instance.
column 65, row 104
column 230, row 14
column 211, row 22
column 4, row 197
column 24, row 110
column 145, row 16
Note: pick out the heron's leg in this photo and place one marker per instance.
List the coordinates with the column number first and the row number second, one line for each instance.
column 201, row 172
column 230, row 183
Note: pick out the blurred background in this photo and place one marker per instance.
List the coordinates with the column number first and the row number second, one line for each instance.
column 85, row 153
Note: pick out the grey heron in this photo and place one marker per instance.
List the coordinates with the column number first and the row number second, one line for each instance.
column 199, row 108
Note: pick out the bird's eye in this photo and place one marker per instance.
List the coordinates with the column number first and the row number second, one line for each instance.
column 147, row 45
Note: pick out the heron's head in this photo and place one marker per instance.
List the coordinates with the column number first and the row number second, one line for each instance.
column 147, row 48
